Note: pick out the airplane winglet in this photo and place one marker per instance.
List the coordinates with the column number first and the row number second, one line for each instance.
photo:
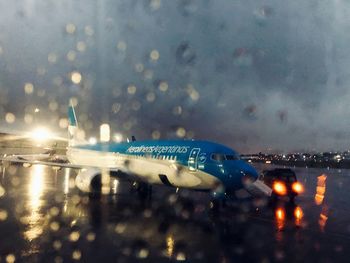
column 73, row 128
column 71, row 115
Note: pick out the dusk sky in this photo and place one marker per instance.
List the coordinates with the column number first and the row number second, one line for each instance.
column 254, row 75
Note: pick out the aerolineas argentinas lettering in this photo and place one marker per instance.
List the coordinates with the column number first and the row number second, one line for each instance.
column 158, row 149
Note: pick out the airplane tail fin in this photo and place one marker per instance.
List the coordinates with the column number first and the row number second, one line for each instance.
column 73, row 129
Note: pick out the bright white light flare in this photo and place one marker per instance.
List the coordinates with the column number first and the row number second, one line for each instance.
column 105, row 132
column 41, row 134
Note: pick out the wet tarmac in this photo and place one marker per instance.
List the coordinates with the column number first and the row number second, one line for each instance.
column 44, row 218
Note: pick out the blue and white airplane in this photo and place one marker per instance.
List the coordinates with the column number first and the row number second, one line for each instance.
column 199, row 165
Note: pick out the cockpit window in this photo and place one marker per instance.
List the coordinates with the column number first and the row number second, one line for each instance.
column 232, row 157
column 218, row 157
column 222, row 157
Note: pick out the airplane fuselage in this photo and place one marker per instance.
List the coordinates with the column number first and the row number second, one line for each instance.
column 192, row 164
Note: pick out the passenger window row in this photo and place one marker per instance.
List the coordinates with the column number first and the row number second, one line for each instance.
column 159, row 157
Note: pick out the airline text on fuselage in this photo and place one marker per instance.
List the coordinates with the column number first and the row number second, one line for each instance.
column 158, row 149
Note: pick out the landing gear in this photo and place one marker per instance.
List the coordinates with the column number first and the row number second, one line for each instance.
column 96, row 187
column 217, row 204
column 144, row 190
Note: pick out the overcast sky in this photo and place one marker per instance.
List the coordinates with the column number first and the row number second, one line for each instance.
column 251, row 74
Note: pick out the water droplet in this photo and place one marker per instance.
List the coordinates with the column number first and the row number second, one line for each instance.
column 90, row 236
column 89, row 31
column 185, row 54
column 154, row 5
column 2, row 191
column 63, row 123
column 70, row 28
column 3, row 215
column 74, row 236
column 54, row 211
column 120, row 228
column 148, row 74
column 53, row 105
column 121, row 46
column 52, row 58
column 192, row 92
column 57, row 245
column 142, row 253
column 55, row 226
column 41, row 71
column 154, row 55
column 156, row 135
column 28, row 118
column 81, row 46
column 76, row 254
column 28, row 88
column 181, row 132
column 177, row 110
column 150, row 97
column 71, row 55
column 10, row 117
column 116, row 107
column 163, row 86
column 76, row 77
column 74, row 101
column 180, row 256
column 132, row 89
column 136, row 105
column 10, row 258
column 139, row 67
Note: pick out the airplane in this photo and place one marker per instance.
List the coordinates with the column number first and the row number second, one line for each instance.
column 193, row 164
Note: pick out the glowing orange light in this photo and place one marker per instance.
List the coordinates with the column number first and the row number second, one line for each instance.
column 320, row 189
column 321, row 179
column 323, row 220
column 319, row 199
column 280, row 214
column 298, row 187
column 280, row 217
column 298, row 214
column 280, row 188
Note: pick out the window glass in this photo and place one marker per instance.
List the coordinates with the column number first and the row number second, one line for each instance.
column 232, row 157
column 218, row 157
column 268, row 174
column 292, row 179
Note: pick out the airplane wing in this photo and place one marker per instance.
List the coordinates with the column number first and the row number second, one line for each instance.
column 42, row 159
column 60, row 161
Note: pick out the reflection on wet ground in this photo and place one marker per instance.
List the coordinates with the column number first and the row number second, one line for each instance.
column 44, row 218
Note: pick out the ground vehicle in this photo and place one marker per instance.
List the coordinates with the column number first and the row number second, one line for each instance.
column 283, row 182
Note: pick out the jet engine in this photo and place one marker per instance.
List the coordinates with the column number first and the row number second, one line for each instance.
column 89, row 180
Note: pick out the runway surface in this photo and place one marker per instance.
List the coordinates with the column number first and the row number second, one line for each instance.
column 44, row 218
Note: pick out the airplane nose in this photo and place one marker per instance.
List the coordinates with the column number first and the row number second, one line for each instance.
column 252, row 184
column 249, row 174
column 249, row 177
